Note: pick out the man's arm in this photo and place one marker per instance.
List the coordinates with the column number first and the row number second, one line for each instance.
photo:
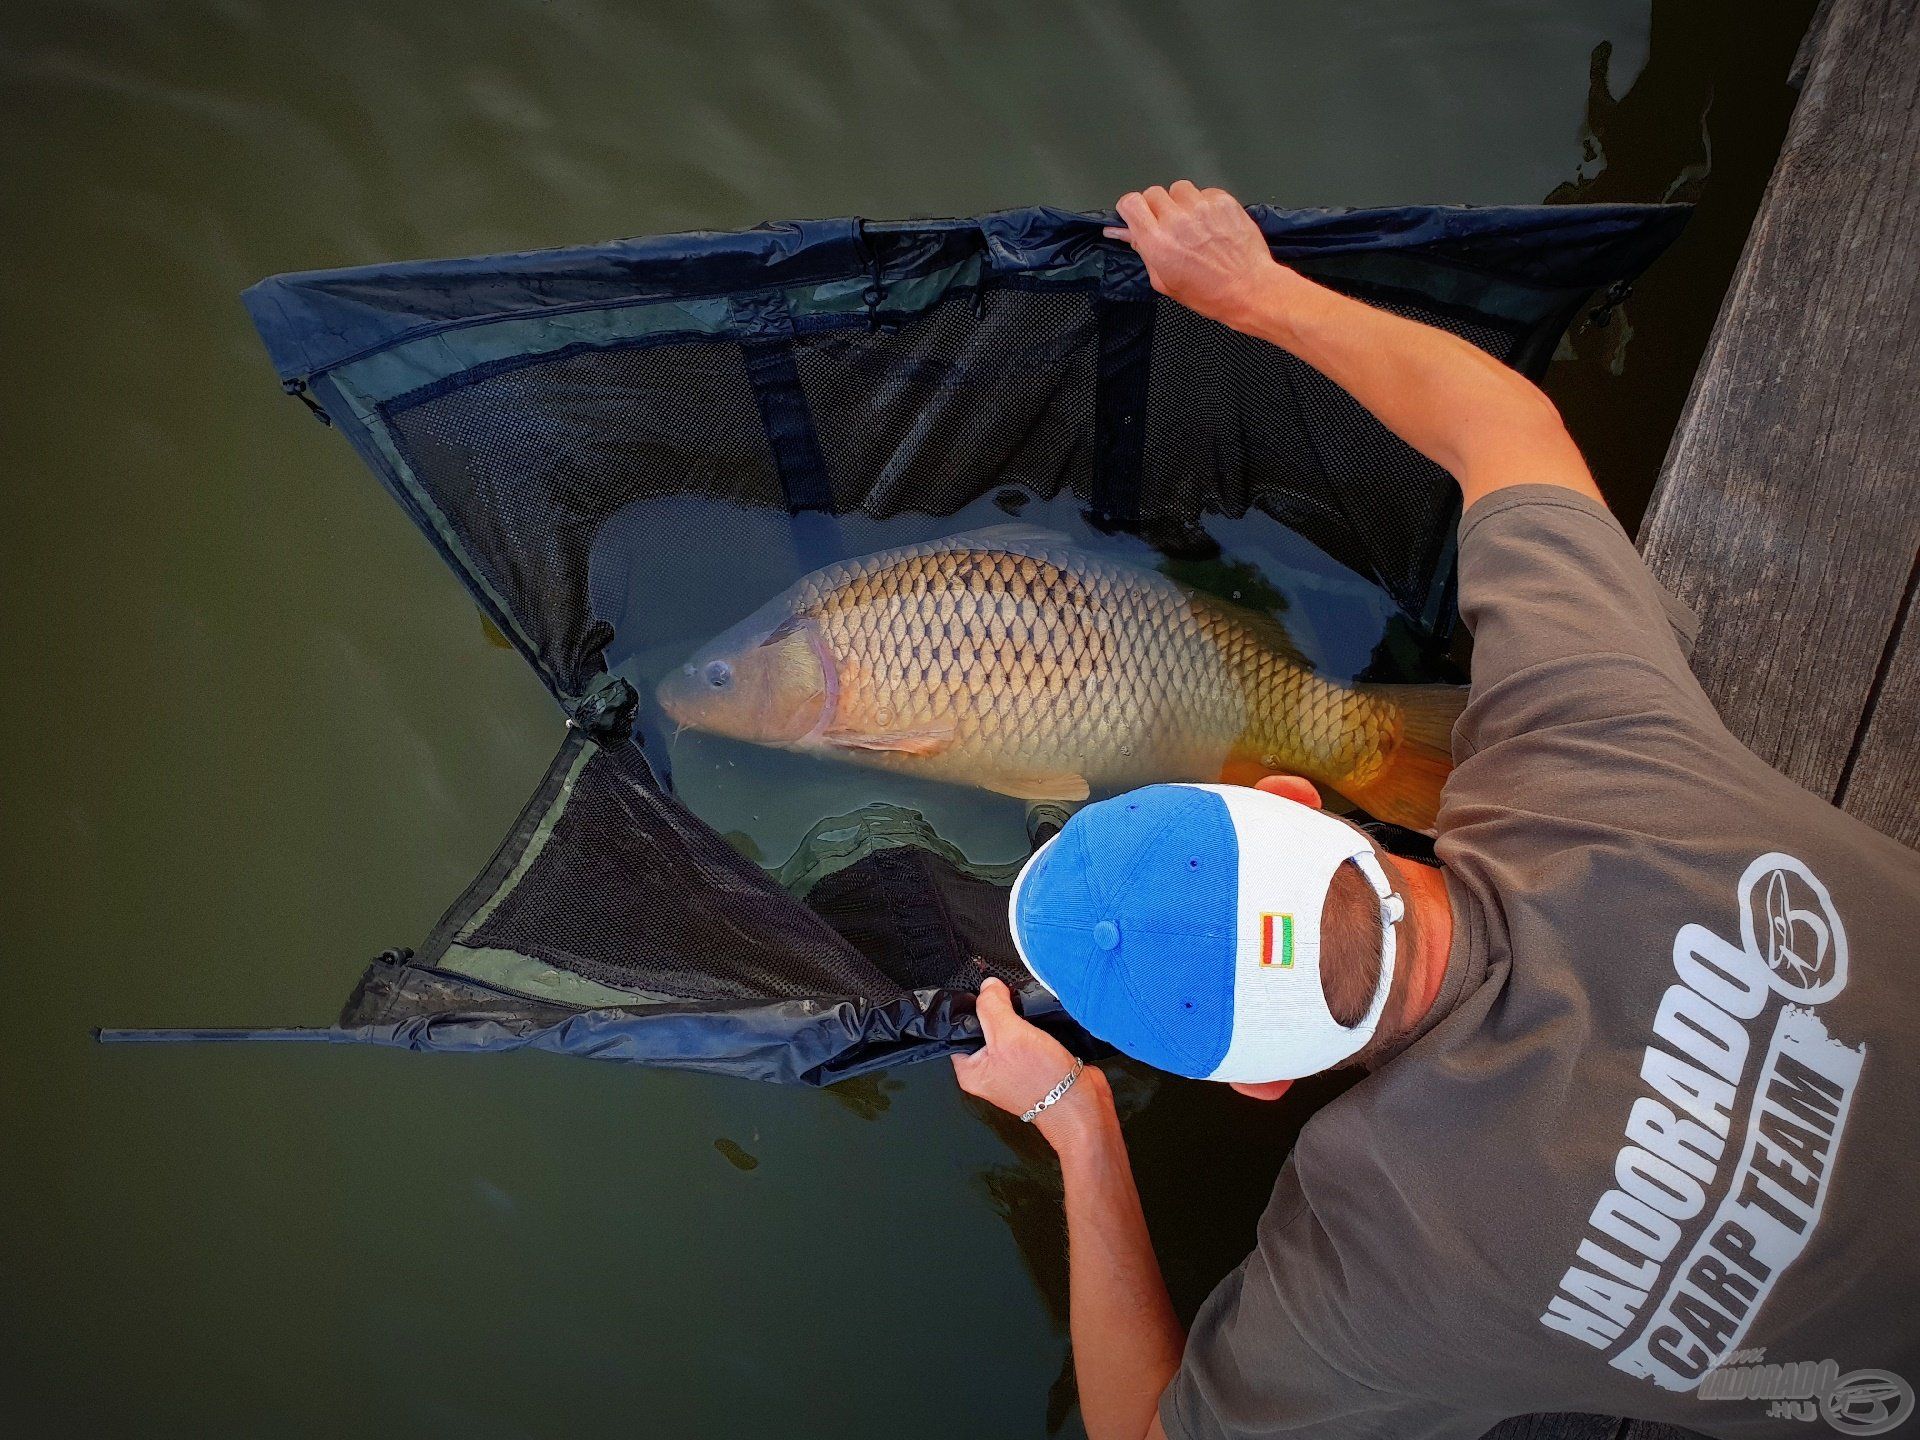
column 1486, row 425
column 1126, row 1341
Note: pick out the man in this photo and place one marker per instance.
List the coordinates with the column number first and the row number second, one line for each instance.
column 1643, row 1086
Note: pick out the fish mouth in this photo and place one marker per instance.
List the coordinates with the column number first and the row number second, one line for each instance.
column 675, row 702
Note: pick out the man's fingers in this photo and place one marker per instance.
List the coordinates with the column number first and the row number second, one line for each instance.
column 1133, row 209
column 995, row 1009
column 1142, row 209
column 1117, row 232
column 970, row 1072
column 1216, row 193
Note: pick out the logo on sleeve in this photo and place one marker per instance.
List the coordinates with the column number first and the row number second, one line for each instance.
column 1786, row 920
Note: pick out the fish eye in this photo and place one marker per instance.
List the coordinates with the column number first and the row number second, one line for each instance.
column 718, row 674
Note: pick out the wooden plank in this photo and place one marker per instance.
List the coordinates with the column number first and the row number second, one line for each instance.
column 1788, row 511
column 1882, row 784
column 1809, row 45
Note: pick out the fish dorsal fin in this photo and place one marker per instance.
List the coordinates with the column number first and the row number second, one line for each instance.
column 1023, row 537
column 1017, row 537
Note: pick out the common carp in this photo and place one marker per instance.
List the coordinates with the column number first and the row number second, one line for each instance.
column 1009, row 659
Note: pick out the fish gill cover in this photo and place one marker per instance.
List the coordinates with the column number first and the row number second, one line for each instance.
column 561, row 424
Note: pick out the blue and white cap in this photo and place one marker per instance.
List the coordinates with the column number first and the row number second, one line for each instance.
column 1181, row 923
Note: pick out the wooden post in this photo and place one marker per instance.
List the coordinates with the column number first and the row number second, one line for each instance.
column 1788, row 511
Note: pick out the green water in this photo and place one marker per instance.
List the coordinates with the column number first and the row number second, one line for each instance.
column 254, row 732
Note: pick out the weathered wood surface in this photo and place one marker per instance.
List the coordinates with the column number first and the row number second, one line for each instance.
column 1883, row 786
column 1788, row 511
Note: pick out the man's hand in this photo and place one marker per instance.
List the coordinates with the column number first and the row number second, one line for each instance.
column 1200, row 248
column 1021, row 1064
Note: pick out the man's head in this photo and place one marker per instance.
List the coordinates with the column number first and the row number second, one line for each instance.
column 1215, row 931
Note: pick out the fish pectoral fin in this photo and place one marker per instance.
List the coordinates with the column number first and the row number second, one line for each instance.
column 900, row 742
column 1039, row 785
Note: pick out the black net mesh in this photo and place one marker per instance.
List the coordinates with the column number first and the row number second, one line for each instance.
column 977, row 393
column 982, row 391
column 526, row 463
column 928, row 924
column 626, row 887
column 1234, row 423
column 609, row 878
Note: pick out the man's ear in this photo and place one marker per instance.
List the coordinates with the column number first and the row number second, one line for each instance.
column 1291, row 787
column 1266, row 1090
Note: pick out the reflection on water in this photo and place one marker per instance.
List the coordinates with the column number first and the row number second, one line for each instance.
column 671, row 574
column 868, row 1096
column 255, row 733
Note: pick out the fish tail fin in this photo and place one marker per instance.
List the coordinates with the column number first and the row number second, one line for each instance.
column 1407, row 791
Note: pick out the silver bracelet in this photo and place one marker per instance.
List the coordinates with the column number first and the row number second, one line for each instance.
column 1052, row 1097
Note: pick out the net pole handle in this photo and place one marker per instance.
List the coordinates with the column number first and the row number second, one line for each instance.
column 287, row 1034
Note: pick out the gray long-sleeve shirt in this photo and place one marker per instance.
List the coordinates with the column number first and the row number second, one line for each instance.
column 1663, row 1114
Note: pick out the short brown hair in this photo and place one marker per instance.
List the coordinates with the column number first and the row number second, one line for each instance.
column 1350, row 945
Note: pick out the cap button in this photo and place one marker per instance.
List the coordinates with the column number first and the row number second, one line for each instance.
column 1106, row 935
